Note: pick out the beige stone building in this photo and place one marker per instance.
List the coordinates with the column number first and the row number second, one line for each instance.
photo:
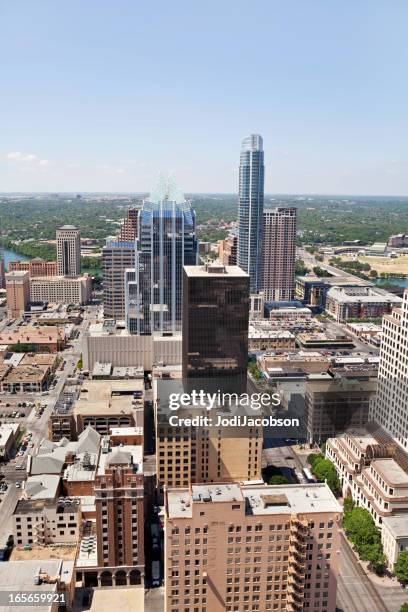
column 69, row 250
column 190, row 456
column 18, row 293
column 102, row 404
column 46, row 522
column 61, row 289
column 373, row 472
column 109, row 342
column 263, row 337
column 235, row 548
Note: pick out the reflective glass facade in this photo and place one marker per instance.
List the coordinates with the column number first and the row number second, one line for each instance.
column 166, row 241
column 215, row 322
column 250, row 209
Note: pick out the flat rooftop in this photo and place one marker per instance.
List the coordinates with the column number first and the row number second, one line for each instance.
column 397, row 524
column 27, row 374
column 126, row 431
column 107, row 599
column 361, row 438
column 83, row 468
column 390, row 471
column 29, row 506
column 259, row 499
column 107, row 396
column 39, row 359
column 18, row 576
column 32, row 335
column 362, row 294
column 216, row 270
column 291, row 498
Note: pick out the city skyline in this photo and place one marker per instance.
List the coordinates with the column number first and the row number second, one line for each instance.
column 316, row 100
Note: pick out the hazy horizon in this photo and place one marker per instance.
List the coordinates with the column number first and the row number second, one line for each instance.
column 101, row 96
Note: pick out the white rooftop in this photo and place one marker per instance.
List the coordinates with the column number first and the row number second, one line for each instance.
column 260, row 499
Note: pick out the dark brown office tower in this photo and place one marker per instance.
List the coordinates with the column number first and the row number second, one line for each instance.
column 120, row 514
column 278, row 253
column 215, row 321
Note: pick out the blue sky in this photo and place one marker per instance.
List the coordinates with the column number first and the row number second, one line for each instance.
column 101, row 95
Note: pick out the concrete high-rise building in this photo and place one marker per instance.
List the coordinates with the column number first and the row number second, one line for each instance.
column 228, row 249
column 61, row 289
column 390, row 408
column 128, row 231
column 18, row 293
column 250, row 209
column 205, row 455
column 232, row 547
column 336, row 405
column 278, row 253
column 117, row 257
column 69, row 250
column 119, row 502
column 215, row 321
column 166, row 241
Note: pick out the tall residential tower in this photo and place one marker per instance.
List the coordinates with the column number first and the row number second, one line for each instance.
column 250, row 209
column 390, row 409
column 69, row 250
column 278, row 253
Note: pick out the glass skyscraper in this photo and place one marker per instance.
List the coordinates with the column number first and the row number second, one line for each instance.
column 250, row 209
column 166, row 242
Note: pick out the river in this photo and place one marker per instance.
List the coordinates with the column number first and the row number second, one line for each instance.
column 400, row 282
column 12, row 256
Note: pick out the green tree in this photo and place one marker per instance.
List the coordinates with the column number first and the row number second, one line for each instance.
column 312, row 458
column 319, row 271
column 404, row 607
column 277, row 479
column 301, row 268
column 348, row 505
column 401, row 567
column 361, row 530
column 253, row 369
column 324, row 470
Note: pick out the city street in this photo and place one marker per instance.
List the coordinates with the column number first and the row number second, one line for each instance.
column 38, row 426
column 356, row 592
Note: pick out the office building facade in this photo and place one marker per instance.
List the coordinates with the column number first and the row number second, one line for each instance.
column 61, row 289
column 228, row 249
column 251, row 547
column 166, row 242
column 390, row 408
column 250, row 209
column 128, row 231
column 18, row 293
column 215, row 321
column 119, row 499
column 69, row 250
column 117, row 257
column 278, row 253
